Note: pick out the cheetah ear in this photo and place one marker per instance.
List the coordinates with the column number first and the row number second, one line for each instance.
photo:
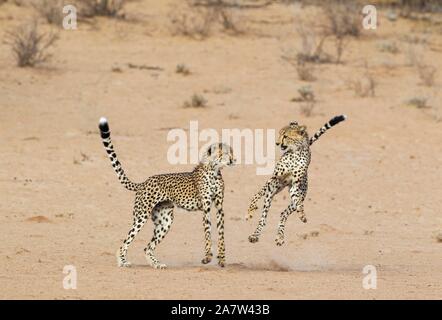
column 209, row 151
column 303, row 128
column 293, row 124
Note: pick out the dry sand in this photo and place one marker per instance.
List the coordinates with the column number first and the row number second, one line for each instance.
column 375, row 180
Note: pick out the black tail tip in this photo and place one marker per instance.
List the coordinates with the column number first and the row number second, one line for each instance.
column 337, row 119
column 104, row 127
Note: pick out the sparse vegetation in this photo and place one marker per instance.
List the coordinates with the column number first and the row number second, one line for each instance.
column 389, row 46
column 194, row 23
column 305, row 71
column 312, row 44
column 182, row 69
column 196, row 101
column 109, row 8
column 307, row 107
column 340, row 44
column 418, row 102
column 306, row 93
column 408, row 7
column 307, row 100
column 338, row 27
column 30, row 46
column 196, row 20
column 427, row 74
column 51, row 10
column 364, row 86
column 343, row 18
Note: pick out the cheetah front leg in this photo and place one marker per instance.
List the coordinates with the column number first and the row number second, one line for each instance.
column 220, row 227
column 207, row 237
column 272, row 187
column 162, row 217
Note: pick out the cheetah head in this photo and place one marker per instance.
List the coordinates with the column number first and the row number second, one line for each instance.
column 219, row 155
column 292, row 137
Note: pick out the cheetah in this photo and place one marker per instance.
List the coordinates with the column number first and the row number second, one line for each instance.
column 157, row 197
column 290, row 171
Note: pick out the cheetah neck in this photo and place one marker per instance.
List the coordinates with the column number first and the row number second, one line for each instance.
column 208, row 168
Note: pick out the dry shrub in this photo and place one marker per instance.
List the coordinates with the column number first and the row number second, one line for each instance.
column 313, row 39
column 343, row 18
column 30, row 46
column 306, row 93
column 109, row 8
column 182, row 69
column 307, row 100
column 312, row 44
column 195, row 23
column 389, row 46
column 408, row 7
column 307, row 107
column 197, row 20
column 364, row 86
column 305, row 71
column 197, row 101
column 419, row 102
column 229, row 20
column 427, row 74
column 340, row 45
column 51, row 10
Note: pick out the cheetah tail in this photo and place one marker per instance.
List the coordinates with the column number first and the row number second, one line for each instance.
column 334, row 121
column 107, row 142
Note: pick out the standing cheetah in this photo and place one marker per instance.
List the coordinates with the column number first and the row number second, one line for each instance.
column 156, row 198
column 290, row 171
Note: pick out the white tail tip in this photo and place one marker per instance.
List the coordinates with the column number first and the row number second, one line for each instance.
column 103, row 120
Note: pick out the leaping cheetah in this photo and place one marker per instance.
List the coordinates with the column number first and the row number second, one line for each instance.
column 290, row 171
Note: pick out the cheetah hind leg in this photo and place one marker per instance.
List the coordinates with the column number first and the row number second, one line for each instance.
column 140, row 218
column 162, row 217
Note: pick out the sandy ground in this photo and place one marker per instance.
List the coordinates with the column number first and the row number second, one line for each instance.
column 375, row 181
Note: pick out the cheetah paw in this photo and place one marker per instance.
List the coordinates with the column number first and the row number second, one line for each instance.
column 160, row 266
column 124, row 264
column 303, row 219
column 206, row 259
column 279, row 241
column 253, row 238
